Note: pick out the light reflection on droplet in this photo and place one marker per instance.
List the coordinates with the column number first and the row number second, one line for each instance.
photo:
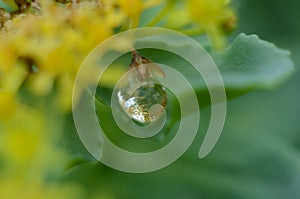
column 147, row 103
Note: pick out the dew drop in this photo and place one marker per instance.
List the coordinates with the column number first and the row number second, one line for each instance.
column 140, row 94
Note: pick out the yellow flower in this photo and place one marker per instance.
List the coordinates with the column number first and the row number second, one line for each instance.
column 10, row 82
column 23, row 144
column 54, row 43
column 134, row 8
column 28, row 156
column 40, row 56
column 212, row 17
column 7, row 104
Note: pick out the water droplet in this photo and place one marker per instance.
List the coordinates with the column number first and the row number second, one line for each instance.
column 140, row 94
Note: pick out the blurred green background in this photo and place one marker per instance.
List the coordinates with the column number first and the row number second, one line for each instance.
column 258, row 154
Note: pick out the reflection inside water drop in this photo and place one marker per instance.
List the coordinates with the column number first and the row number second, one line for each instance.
column 140, row 94
column 146, row 104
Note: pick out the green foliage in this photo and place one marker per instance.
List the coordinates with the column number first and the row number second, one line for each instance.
column 250, row 63
column 247, row 64
column 258, row 153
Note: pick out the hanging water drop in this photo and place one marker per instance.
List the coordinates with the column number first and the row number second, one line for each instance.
column 140, row 94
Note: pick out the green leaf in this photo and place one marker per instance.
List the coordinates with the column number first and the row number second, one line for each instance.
column 248, row 63
column 259, row 162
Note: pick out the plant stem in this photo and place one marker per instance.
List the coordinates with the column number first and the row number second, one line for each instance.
column 160, row 15
column 192, row 31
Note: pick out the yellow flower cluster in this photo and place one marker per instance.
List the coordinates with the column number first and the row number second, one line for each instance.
column 51, row 45
column 41, row 50
column 212, row 17
column 134, row 8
